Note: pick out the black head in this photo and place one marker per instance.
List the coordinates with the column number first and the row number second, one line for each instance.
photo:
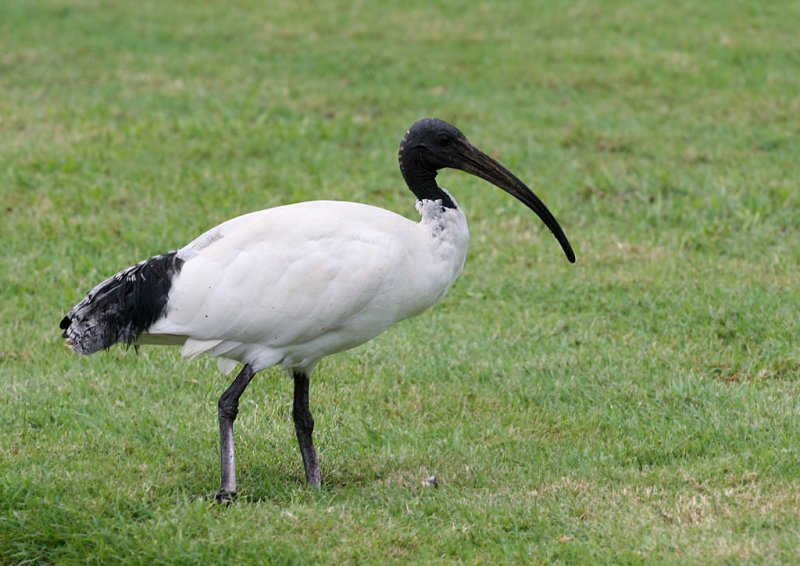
column 432, row 144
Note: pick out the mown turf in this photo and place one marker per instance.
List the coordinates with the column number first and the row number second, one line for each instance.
column 639, row 406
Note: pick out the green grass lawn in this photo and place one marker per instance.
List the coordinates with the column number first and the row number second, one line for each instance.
column 639, row 406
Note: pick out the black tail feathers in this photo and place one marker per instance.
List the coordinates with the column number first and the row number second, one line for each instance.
column 122, row 307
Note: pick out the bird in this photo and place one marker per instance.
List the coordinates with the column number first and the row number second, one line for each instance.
column 289, row 285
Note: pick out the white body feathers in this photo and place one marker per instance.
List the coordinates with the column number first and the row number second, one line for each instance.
column 291, row 284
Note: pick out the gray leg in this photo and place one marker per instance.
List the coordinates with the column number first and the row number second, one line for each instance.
column 228, row 409
column 304, row 427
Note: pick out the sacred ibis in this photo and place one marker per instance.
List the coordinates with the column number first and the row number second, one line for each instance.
column 289, row 285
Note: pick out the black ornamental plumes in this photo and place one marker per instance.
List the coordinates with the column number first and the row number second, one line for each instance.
column 122, row 307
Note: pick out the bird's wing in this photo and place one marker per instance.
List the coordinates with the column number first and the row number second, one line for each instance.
column 290, row 274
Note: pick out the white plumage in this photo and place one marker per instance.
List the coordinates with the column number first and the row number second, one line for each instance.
column 292, row 284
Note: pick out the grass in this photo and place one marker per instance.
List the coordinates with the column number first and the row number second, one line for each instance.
column 638, row 407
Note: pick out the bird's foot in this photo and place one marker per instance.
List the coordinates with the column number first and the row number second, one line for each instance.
column 313, row 481
column 226, row 497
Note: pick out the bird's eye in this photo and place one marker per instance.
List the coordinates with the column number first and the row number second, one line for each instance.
column 444, row 139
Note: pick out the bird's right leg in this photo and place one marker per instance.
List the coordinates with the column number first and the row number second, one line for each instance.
column 304, row 428
column 228, row 409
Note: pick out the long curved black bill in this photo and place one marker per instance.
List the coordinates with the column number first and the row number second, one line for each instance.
column 474, row 161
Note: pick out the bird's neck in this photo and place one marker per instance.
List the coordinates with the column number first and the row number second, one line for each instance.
column 421, row 178
column 444, row 243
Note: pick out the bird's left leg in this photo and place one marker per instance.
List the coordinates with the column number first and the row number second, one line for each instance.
column 228, row 409
column 304, row 427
